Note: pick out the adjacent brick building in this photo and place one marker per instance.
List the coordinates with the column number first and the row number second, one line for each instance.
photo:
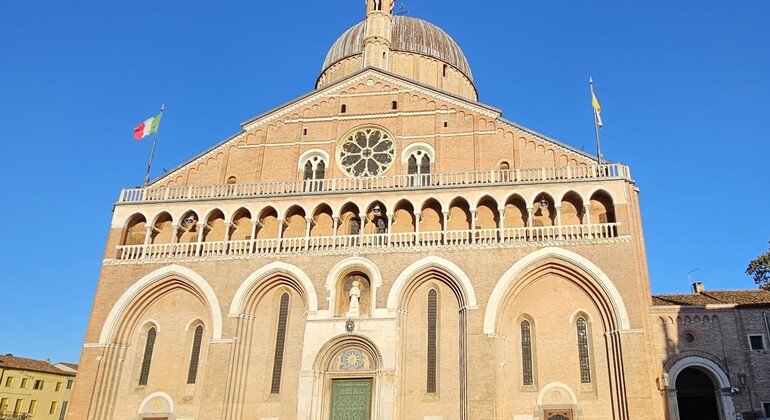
column 384, row 247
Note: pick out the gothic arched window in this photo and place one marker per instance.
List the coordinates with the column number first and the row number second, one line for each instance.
column 585, row 363
column 149, row 346
column 280, row 343
column 192, row 373
column 354, row 226
column 432, row 340
column 526, row 353
column 313, row 171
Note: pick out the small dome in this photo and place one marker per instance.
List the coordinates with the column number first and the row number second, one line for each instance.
column 409, row 35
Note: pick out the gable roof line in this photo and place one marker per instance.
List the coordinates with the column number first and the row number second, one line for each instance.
column 389, row 77
column 563, row 146
column 287, row 107
column 422, row 88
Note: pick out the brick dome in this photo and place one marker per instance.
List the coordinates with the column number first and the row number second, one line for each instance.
column 408, row 35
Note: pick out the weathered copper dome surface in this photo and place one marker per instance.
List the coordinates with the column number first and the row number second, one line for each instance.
column 409, row 35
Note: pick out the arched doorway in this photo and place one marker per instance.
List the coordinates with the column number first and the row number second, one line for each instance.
column 695, row 395
column 347, row 379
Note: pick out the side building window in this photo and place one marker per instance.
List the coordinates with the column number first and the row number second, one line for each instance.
column 280, row 343
column 585, row 363
column 192, row 373
column 432, row 340
column 526, row 354
column 147, row 358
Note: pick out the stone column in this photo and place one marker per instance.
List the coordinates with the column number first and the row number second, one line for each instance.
column 501, row 224
column 444, row 227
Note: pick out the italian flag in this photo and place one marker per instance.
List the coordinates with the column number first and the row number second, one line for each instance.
column 149, row 126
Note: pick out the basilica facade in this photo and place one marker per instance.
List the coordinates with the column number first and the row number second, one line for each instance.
column 384, row 247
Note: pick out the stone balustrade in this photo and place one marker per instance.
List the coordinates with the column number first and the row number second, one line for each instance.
column 391, row 182
column 407, row 240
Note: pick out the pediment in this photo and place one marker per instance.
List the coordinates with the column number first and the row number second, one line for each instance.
column 286, row 126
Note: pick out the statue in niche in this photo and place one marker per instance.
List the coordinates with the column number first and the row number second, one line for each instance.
column 353, row 296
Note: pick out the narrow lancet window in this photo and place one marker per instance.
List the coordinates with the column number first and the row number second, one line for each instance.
column 585, row 364
column 195, row 355
column 280, row 343
column 432, row 341
column 320, row 170
column 526, row 353
column 147, row 359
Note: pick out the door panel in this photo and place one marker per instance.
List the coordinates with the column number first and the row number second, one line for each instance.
column 351, row 399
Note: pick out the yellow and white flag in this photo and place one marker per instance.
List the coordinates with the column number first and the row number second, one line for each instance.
column 597, row 109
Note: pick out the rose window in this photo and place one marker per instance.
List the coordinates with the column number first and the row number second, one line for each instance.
column 367, row 152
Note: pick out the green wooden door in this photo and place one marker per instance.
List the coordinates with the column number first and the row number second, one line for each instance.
column 351, row 399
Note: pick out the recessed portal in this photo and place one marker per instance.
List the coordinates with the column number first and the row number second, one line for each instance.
column 695, row 395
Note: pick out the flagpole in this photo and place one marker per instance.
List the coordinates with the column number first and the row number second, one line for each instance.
column 152, row 153
column 596, row 122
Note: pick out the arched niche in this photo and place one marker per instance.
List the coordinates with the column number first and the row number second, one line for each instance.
column 354, row 290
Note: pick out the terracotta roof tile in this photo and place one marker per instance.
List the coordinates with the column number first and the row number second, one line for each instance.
column 20, row 363
column 716, row 297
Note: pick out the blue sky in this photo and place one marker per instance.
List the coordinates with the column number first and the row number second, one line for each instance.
column 683, row 85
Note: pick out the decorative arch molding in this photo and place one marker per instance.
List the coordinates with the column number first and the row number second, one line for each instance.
column 511, row 276
column 335, row 343
column 488, row 195
column 276, row 267
column 151, row 397
column 518, row 194
column 285, row 210
column 347, row 266
column 577, row 192
column 703, row 363
column 415, row 268
column 146, row 283
column 418, row 146
column 604, row 190
column 160, row 213
column 133, row 216
column 540, row 192
column 432, row 198
column 177, row 218
column 319, row 206
column 229, row 217
column 309, row 154
column 556, row 385
column 211, row 211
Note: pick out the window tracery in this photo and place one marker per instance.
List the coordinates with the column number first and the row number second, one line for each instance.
column 280, row 343
column 195, row 354
column 366, row 152
column 585, row 363
column 149, row 347
column 526, row 353
column 432, row 340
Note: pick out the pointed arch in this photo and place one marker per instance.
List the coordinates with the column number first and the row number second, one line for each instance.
column 305, row 288
column 595, row 273
column 467, row 296
column 148, row 282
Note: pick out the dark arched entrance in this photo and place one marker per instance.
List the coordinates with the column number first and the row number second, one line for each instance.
column 696, row 396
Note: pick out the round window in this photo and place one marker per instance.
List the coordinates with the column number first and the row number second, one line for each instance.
column 689, row 337
column 366, row 152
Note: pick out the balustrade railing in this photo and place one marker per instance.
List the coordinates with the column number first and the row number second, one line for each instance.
column 438, row 180
column 403, row 240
